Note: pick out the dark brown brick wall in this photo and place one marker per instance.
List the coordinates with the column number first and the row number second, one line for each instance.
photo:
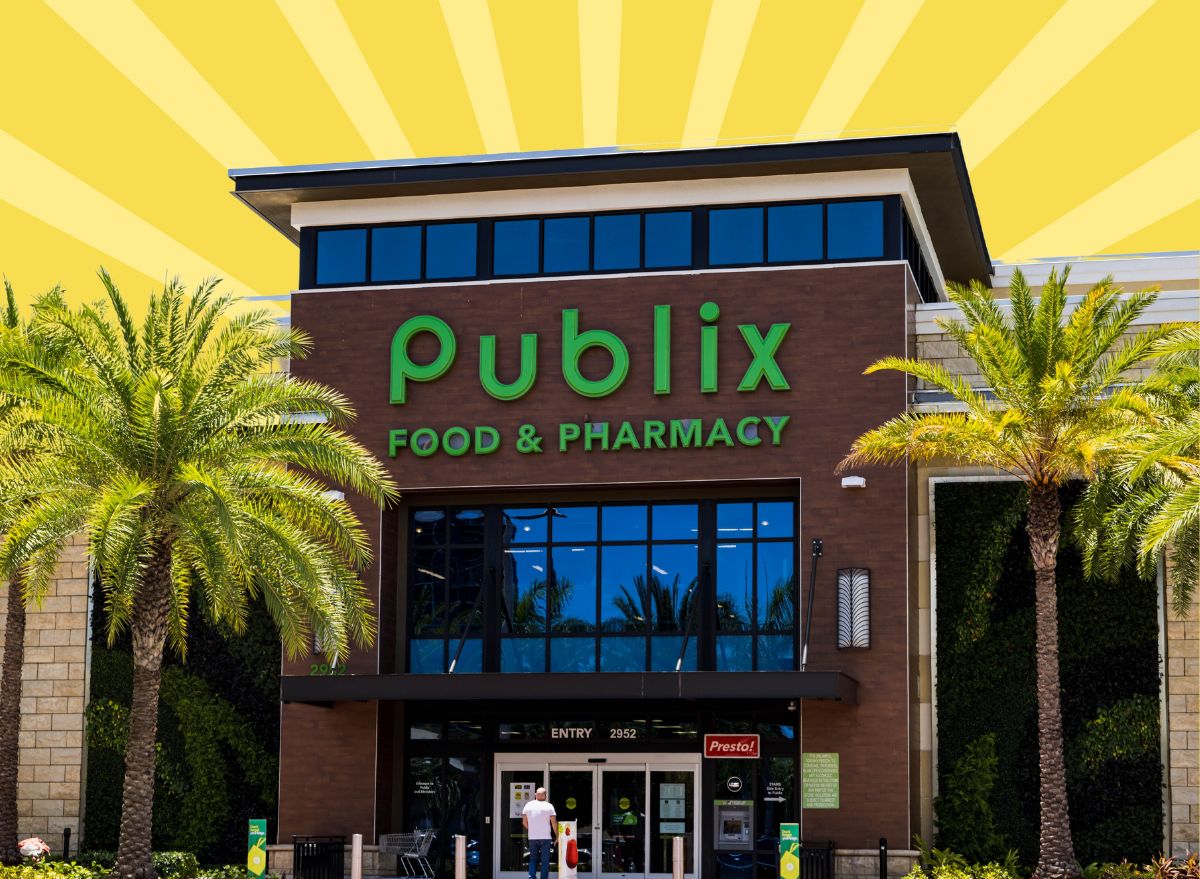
column 327, row 770
column 842, row 319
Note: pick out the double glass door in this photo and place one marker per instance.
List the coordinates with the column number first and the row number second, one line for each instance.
column 626, row 812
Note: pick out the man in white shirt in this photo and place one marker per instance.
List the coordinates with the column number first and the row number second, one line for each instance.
column 540, row 823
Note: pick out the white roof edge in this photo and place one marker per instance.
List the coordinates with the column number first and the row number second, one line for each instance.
column 1171, row 306
column 1144, row 268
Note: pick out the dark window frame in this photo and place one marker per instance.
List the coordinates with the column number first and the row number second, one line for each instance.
column 899, row 243
column 704, row 625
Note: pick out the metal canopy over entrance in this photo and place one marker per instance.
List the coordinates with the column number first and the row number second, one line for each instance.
column 627, row 808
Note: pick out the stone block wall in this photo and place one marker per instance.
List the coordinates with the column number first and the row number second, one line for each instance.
column 853, row 863
column 1183, row 729
column 53, row 696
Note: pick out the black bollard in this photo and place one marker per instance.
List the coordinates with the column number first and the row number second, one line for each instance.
column 66, row 855
column 883, row 873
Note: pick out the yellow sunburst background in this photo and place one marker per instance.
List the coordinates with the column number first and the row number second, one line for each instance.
column 1080, row 120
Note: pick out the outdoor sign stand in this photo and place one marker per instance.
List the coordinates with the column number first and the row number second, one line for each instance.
column 256, row 848
column 568, row 849
column 789, row 851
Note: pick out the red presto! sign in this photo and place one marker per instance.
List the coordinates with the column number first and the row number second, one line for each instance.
column 744, row 747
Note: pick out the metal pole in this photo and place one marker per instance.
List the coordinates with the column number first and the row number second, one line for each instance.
column 677, row 861
column 687, row 632
column 356, row 856
column 883, row 865
column 817, row 548
column 460, row 857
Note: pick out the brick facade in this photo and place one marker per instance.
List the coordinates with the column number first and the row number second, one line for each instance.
column 53, row 696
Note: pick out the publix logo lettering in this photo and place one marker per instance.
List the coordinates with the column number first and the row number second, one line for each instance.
column 762, row 348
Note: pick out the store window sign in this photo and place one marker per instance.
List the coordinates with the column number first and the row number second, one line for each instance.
column 519, row 793
column 760, row 348
column 731, row 747
column 423, row 787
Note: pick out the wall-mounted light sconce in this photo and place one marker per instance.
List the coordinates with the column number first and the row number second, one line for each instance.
column 854, row 482
column 854, row 607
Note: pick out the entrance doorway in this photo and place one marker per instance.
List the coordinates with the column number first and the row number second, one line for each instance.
column 627, row 809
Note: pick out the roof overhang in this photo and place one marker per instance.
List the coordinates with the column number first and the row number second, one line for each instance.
column 628, row 686
column 934, row 163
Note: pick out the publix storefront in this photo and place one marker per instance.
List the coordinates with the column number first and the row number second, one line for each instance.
column 614, row 388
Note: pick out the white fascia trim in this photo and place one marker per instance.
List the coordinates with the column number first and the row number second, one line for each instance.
column 1145, row 268
column 625, row 196
column 1170, row 306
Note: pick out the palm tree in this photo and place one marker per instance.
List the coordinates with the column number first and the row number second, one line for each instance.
column 1149, row 499
column 1057, row 403
column 14, row 626
column 192, row 468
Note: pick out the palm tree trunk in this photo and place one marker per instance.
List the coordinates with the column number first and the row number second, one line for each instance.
column 151, row 615
column 10, row 720
column 1056, row 857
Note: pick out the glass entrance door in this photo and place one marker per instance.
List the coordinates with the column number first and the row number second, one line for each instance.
column 623, row 821
column 627, row 810
column 572, row 790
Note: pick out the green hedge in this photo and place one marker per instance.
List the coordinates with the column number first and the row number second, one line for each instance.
column 218, row 740
column 96, row 865
column 987, row 722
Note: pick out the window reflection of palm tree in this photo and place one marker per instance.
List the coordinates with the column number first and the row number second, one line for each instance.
column 779, row 614
column 540, row 601
column 652, row 604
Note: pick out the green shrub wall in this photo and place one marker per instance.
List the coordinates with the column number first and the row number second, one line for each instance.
column 218, row 739
column 986, row 708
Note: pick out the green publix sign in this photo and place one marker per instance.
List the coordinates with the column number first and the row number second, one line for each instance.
column 676, row 433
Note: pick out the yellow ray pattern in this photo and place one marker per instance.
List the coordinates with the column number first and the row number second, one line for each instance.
column 37, row 186
column 1069, row 41
column 1076, row 115
column 877, row 31
column 413, row 58
column 545, row 109
column 470, row 24
column 729, row 25
column 1117, row 211
column 599, row 69
column 1109, row 120
column 789, row 52
column 324, row 33
column 123, row 34
column 935, row 74
column 273, row 85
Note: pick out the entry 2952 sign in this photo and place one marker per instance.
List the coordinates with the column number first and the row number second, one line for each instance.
column 629, row 730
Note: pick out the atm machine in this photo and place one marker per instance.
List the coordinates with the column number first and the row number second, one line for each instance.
column 733, row 834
